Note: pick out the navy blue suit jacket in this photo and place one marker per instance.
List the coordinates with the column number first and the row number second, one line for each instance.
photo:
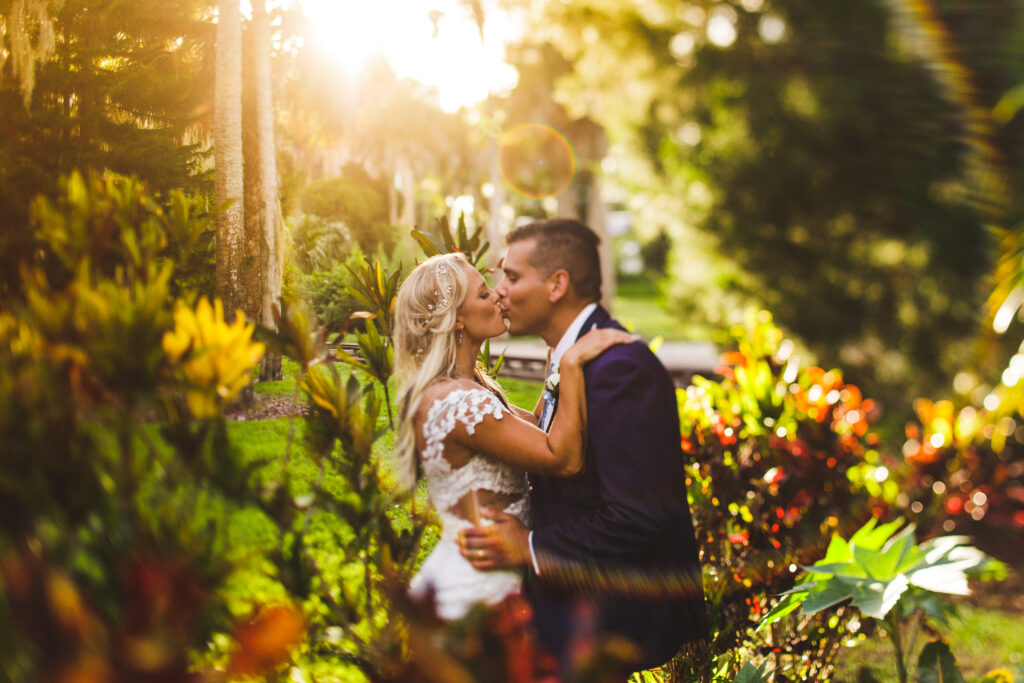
column 615, row 545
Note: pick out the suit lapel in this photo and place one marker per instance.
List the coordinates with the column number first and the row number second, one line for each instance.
column 597, row 318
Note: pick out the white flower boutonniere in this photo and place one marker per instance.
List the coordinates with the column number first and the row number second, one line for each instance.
column 551, row 383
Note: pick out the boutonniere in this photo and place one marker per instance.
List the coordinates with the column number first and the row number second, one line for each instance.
column 551, row 383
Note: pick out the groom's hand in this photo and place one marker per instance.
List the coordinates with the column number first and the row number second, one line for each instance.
column 504, row 544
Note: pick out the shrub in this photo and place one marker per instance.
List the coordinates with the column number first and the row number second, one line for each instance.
column 781, row 457
column 327, row 293
column 316, row 244
column 357, row 205
column 122, row 497
column 966, row 469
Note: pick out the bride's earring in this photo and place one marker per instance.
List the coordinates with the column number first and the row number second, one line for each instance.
column 458, row 336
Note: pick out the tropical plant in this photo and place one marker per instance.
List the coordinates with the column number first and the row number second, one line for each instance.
column 446, row 241
column 888, row 577
column 328, row 291
column 781, row 456
column 115, row 446
column 375, row 288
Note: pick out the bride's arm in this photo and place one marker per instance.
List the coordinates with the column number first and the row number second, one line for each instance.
column 523, row 413
column 518, row 442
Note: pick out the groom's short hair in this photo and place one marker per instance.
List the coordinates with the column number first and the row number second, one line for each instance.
column 568, row 244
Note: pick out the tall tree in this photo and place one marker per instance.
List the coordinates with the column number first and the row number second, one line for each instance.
column 120, row 90
column 271, row 223
column 229, row 180
column 28, row 26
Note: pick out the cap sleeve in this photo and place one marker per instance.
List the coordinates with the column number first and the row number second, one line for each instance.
column 466, row 406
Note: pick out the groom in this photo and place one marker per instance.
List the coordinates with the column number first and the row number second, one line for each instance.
column 612, row 551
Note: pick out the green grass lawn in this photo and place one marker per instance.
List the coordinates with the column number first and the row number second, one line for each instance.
column 982, row 638
column 641, row 306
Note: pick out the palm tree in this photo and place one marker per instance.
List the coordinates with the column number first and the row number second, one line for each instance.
column 228, row 179
column 271, row 221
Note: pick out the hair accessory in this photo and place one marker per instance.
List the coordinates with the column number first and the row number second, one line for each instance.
column 444, row 279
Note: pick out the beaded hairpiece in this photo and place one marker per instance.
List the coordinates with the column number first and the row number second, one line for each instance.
column 444, row 281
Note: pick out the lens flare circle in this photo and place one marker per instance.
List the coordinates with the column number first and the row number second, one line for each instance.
column 536, row 161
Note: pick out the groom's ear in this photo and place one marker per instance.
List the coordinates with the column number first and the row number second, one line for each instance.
column 558, row 285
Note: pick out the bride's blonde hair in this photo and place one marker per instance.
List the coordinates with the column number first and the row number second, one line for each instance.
column 425, row 314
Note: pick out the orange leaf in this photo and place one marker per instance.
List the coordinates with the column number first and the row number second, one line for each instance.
column 266, row 639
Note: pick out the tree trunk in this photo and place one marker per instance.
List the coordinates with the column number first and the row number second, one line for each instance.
column 407, row 217
column 271, row 221
column 227, row 154
column 496, row 225
column 252, row 263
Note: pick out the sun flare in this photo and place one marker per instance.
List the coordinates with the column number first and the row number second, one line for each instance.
column 436, row 43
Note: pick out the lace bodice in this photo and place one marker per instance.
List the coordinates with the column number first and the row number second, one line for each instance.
column 446, row 575
column 447, row 485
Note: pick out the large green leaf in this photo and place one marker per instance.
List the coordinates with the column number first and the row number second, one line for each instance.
column 877, row 598
column 877, row 568
column 937, row 664
column 945, row 565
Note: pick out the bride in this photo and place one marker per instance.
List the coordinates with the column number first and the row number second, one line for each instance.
column 473, row 446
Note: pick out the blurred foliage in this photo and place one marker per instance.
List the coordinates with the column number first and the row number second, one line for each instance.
column 966, row 464
column 123, row 497
column 327, row 293
column 100, row 527
column 655, row 253
column 781, row 457
column 355, row 204
column 120, row 91
column 316, row 244
column 837, row 164
column 375, row 288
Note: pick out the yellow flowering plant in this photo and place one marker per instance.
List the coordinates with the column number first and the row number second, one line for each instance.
column 214, row 357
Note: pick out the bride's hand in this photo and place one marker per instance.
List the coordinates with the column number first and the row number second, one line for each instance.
column 594, row 343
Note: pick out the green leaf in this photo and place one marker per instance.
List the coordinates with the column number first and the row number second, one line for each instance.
column 754, row 674
column 850, row 569
column 785, row 606
column 937, row 664
column 934, row 605
column 831, row 594
column 838, row 551
column 426, row 242
column 877, row 598
column 878, row 565
column 868, row 536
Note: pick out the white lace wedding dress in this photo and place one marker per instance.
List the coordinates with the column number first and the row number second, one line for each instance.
column 456, row 585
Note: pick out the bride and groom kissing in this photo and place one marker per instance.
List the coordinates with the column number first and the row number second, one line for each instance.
column 580, row 504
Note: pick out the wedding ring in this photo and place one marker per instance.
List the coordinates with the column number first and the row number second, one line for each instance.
column 480, row 554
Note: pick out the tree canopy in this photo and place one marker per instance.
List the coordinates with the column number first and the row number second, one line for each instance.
column 834, row 162
column 127, row 88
